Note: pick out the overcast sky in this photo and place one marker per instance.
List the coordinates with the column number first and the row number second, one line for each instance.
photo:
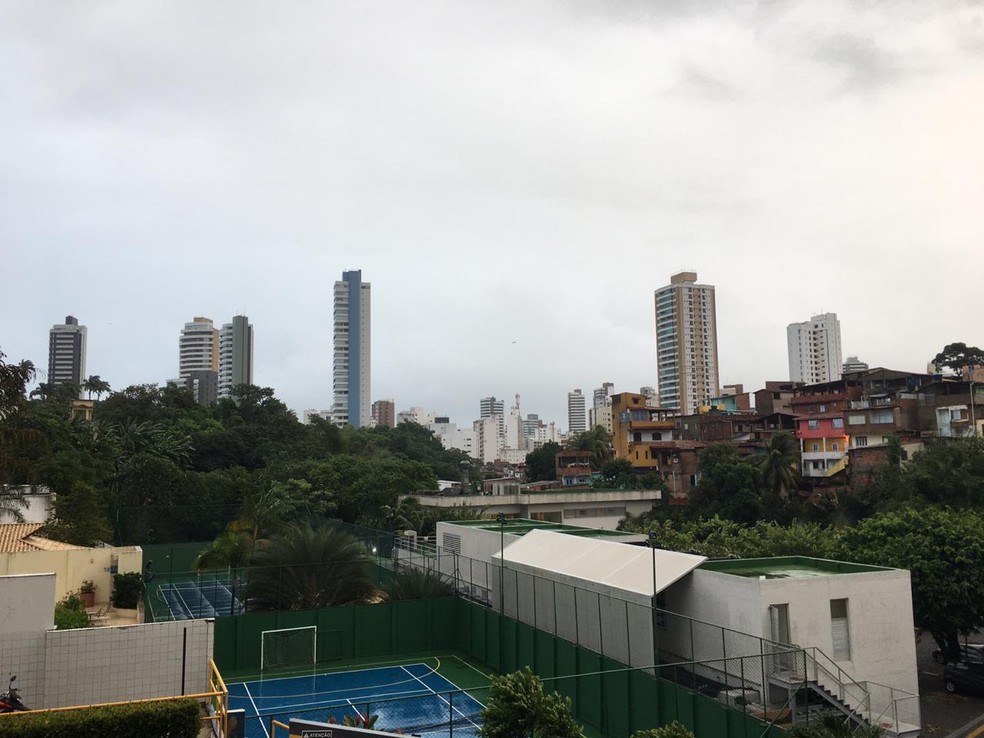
column 514, row 179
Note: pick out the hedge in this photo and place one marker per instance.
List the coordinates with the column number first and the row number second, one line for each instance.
column 126, row 589
column 170, row 719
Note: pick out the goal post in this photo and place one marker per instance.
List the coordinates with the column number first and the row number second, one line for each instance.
column 286, row 648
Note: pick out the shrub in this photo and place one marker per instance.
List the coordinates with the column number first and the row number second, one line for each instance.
column 70, row 613
column 171, row 719
column 673, row 730
column 126, row 589
column 519, row 708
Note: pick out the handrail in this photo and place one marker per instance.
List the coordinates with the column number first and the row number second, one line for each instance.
column 862, row 702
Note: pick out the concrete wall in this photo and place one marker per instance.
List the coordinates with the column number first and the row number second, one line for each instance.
column 882, row 635
column 126, row 662
column 879, row 616
column 26, row 614
column 59, row 668
column 73, row 566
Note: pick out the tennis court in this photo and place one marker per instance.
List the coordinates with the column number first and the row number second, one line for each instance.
column 195, row 598
column 413, row 699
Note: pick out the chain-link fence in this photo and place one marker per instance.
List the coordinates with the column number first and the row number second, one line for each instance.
column 740, row 669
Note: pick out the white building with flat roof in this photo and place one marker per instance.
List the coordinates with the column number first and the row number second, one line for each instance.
column 814, row 348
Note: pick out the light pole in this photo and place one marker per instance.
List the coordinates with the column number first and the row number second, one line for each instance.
column 501, row 520
column 652, row 548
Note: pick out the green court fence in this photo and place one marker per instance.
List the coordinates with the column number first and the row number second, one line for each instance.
column 607, row 696
column 344, row 633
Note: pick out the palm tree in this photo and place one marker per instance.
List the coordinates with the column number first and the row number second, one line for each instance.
column 265, row 511
column 597, row 440
column 418, row 584
column 229, row 550
column 95, row 384
column 309, row 568
column 778, row 464
column 11, row 506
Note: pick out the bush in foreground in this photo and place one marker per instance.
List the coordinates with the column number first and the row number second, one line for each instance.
column 171, row 719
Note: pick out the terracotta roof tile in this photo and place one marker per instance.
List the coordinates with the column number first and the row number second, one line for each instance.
column 19, row 537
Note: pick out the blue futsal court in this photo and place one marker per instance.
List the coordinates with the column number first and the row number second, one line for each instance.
column 413, row 699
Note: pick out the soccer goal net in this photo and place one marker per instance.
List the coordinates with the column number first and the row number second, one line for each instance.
column 288, row 647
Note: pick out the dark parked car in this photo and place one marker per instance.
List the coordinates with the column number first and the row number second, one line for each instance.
column 973, row 652
column 964, row 677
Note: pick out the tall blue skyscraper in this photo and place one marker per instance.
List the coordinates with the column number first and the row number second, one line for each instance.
column 350, row 382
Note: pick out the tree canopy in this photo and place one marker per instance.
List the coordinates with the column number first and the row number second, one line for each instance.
column 944, row 552
column 154, row 466
column 959, row 356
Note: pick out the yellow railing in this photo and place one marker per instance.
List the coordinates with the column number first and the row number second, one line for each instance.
column 217, row 698
column 274, row 724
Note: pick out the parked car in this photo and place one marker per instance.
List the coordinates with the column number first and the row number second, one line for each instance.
column 964, row 677
column 973, row 652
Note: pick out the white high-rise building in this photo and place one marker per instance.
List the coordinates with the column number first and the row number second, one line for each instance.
column 686, row 344
column 815, row 349
column 350, row 380
column 198, row 348
column 235, row 355
column 577, row 417
column 601, row 406
column 489, row 407
column 66, row 352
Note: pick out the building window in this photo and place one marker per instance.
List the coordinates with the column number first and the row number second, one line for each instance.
column 882, row 416
column 816, row 446
column 837, row 422
column 834, row 446
column 840, row 633
column 855, row 420
column 813, row 424
column 860, row 441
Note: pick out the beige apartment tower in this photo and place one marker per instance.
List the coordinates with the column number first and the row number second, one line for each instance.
column 686, row 344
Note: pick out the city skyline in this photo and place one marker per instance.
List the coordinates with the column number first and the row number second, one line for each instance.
column 515, row 209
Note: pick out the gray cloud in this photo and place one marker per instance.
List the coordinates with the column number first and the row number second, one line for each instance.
column 500, row 173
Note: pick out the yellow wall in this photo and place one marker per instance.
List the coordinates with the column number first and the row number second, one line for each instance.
column 72, row 566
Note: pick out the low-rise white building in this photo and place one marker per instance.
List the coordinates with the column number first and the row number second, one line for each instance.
column 781, row 634
column 585, row 508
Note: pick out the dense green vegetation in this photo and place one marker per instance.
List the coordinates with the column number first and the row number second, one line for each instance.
column 70, row 613
column 919, row 514
column 170, row 719
column 673, row 730
column 152, row 466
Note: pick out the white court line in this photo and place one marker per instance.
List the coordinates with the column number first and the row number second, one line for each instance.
column 277, row 709
column 348, row 671
column 442, row 698
column 256, row 710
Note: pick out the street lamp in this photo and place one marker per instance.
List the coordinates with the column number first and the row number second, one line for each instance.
column 652, row 547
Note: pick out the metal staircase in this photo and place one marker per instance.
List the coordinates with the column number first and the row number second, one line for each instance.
column 861, row 703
